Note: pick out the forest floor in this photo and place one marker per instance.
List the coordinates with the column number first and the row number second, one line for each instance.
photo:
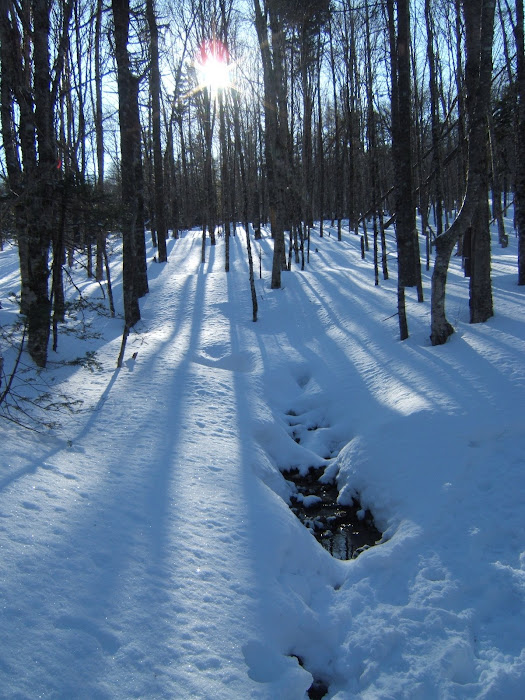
column 147, row 546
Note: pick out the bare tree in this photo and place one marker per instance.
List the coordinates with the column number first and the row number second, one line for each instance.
column 520, row 141
column 409, row 267
column 27, row 80
column 154, row 78
column 270, row 36
column 131, row 168
column 479, row 29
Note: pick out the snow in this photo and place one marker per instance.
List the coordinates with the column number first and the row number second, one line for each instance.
column 147, row 549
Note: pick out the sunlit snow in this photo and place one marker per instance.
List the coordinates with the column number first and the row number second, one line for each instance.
column 147, row 548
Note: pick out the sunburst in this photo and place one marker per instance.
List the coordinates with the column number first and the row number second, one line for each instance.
column 213, row 66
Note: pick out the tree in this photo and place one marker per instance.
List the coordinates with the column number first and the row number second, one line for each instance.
column 276, row 125
column 409, row 267
column 519, row 198
column 337, row 209
column 131, row 169
column 27, row 81
column 154, row 78
column 374, row 153
column 478, row 44
column 308, row 17
column 99, row 136
column 479, row 30
column 433, row 66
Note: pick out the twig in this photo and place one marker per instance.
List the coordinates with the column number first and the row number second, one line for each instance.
column 17, row 362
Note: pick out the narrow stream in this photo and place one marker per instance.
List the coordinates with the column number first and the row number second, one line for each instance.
column 344, row 530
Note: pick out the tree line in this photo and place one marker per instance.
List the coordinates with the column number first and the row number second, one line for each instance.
column 355, row 111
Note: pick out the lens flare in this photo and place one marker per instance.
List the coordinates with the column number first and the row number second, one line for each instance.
column 213, row 65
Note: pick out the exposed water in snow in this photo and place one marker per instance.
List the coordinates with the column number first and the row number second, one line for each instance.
column 345, row 530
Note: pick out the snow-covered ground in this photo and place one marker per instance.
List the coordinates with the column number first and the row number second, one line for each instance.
column 146, row 546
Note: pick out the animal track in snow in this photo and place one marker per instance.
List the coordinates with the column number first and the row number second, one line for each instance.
column 223, row 359
column 107, row 641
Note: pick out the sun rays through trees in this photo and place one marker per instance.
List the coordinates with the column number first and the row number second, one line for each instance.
column 278, row 114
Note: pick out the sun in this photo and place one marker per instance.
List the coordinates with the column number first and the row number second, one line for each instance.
column 213, row 66
column 215, row 74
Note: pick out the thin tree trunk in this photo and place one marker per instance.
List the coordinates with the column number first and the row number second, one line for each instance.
column 108, row 282
column 57, row 292
column 275, row 135
column 409, row 266
column 497, row 209
column 519, row 192
column 41, row 223
column 306, row 60
column 339, row 182
column 225, row 182
column 434, row 109
column 160, row 206
column 479, row 32
column 372, row 145
column 99, row 141
column 320, row 144
column 252, row 280
column 130, row 154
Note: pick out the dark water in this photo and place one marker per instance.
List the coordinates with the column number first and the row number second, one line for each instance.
column 344, row 530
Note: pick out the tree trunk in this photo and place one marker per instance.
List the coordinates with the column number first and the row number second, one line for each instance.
column 40, row 225
column 209, row 123
column 275, row 131
column 479, row 26
column 408, row 262
column 479, row 31
column 99, row 140
column 225, row 182
column 35, row 187
column 481, row 308
column 320, row 144
column 339, row 181
column 130, row 162
column 352, row 137
column 160, row 207
column 497, row 209
column 252, row 281
column 519, row 196
column 372, row 145
column 434, row 109
column 441, row 328
column 406, row 233
column 306, row 61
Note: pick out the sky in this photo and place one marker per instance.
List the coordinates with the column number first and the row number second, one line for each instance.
column 148, row 549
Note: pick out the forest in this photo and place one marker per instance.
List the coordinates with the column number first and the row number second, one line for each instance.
column 121, row 117
column 262, row 271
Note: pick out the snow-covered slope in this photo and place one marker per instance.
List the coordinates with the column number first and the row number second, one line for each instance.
column 146, row 546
